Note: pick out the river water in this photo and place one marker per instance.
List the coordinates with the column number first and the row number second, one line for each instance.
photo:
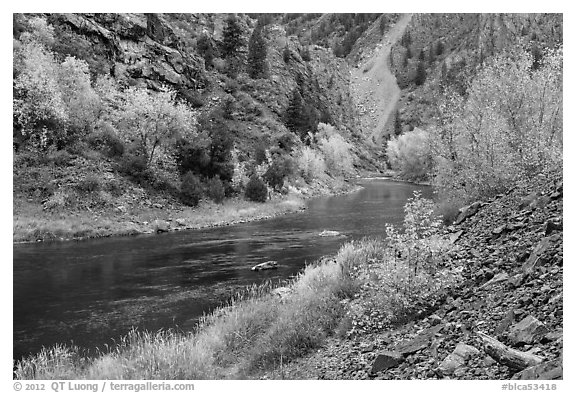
column 92, row 292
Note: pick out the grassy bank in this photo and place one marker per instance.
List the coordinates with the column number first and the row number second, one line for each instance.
column 32, row 223
column 258, row 330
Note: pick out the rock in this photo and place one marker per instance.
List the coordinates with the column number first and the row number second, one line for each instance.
column 535, row 256
column 328, row 233
column 516, row 360
column 549, row 371
column 386, row 360
column 419, row 342
column 161, row 226
column 527, row 331
column 157, row 206
column 121, row 209
column 552, row 225
column 468, row 211
column 181, row 222
column 457, row 358
column 265, row 266
column 500, row 277
column 505, row 322
column 434, row 319
column 453, row 237
column 552, row 336
column 488, row 361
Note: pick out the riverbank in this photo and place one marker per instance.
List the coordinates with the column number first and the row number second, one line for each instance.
column 32, row 223
column 496, row 277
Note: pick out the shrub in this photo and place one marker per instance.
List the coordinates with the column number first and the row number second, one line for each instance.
column 134, row 164
column 191, row 190
column 310, row 163
column 410, row 154
column 107, row 141
column 281, row 168
column 256, row 190
column 335, row 149
column 90, row 183
column 215, row 189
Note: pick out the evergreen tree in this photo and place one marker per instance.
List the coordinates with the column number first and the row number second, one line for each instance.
column 233, row 45
column 420, row 74
column 207, row 50
column 257, row 67
column 300, row 118
column 286, row 54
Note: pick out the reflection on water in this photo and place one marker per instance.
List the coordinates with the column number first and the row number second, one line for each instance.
column 91, row 292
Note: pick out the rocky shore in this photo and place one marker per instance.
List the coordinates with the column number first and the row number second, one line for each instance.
column 503, row 321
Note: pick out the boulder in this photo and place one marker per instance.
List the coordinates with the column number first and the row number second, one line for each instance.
column 468, row 211
column 161, row 226
column 457, row 358
column 500, row 277
column 527, row 331
column 386, row 360
column 419, row 342
column 181, row 222
column 548, row 371
column 328, row 233
column 265, row 266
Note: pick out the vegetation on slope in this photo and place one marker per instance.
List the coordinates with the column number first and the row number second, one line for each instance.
column 105, row 120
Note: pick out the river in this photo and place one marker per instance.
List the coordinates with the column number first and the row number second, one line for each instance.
column 90, row 293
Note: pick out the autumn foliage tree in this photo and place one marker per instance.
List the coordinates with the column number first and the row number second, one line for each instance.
column 508, row 129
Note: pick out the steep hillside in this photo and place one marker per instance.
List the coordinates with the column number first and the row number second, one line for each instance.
column 83, row 154
column 503, row 321
column 442, row 52
column 374, row 87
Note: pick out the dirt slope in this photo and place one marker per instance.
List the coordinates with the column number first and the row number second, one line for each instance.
column 374, row 87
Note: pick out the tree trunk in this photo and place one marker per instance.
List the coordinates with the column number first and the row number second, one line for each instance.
column 510, row 357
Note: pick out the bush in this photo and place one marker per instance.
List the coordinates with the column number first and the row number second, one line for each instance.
column 90, row 183
column 215, row 190
column 191, row 190
column 135, row 165
column 336, row 150
column 256, row 190
column 107, row 141
column 281, row 168
column 310, row 163
column 410, row 154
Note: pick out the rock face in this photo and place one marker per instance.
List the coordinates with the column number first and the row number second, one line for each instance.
column 138, row 48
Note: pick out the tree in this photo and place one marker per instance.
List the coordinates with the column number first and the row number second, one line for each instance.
column 420, row 74
column 207, row 49
column 298, row 117
column 410, row 154
column 233, row 45
column 507, row 129
column 257, row 67
column 153, row 119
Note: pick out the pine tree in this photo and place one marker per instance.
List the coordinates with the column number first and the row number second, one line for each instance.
column 420, row 74
column 300, row 118
column 257, row 67
column 233, row 45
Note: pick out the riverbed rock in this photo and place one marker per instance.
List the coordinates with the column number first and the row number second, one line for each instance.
column 328, row 233
column 265, row 266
